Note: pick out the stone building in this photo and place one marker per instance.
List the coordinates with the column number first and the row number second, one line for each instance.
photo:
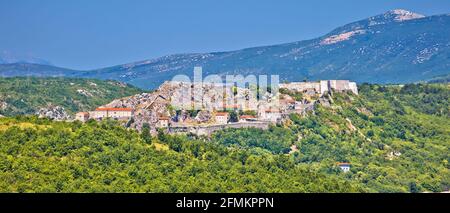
column 247, row 118
column 322, row 87
column 115, row 113
column 82, row 116
column 221, row 117
column 163, row 122
column 345, row 167
column 272, row 115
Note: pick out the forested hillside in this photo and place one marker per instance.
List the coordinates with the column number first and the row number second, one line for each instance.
column 397, row 139
column 25, row 95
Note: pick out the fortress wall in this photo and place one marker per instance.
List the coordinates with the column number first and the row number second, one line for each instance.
column 338, row 85
column 300, row 86
column 353, row 87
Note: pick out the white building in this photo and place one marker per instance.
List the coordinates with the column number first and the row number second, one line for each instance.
column 247, row 118
column 322, row 87
column 163, row 122
column 272, row 115
column 115, row 113
column 338, row 85
column 82, row 116
column 345, row 167
column 221, row 117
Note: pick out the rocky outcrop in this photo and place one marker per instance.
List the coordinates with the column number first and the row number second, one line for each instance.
column 3, row 105
column 203, row 116
column 53, row 112
column 84, row 92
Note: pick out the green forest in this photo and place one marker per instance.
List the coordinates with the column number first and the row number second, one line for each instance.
column 397, row 139
column 25, row 95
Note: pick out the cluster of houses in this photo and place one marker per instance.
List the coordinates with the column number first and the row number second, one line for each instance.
column 163, row 121
column 263, row 111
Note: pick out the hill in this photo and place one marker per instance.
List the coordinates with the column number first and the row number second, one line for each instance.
column 22, row 95
column 395, row 138
column 440, row 79
column 396, row 47
column 7, row 57
column 36, row 70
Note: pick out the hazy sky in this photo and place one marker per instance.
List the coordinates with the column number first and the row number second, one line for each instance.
column 87, row 34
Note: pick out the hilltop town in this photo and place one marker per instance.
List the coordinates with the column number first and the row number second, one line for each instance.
column 221, row 106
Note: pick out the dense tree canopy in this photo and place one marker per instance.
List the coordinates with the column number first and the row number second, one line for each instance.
column 25, row 95
column 396, row 139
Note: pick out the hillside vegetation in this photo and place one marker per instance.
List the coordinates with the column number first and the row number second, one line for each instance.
column 25, row 95
column 397, row 139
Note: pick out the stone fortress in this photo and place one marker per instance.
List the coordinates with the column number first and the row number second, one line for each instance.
column 322, row 86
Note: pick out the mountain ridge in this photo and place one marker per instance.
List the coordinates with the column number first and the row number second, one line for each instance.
column 398, row 46
column 7, row 57
column 312, row 67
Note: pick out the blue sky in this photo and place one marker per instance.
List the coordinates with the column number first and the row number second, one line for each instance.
column 87, row 34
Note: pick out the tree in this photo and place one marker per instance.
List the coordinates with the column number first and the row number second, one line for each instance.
column 413, row 187
column 233, row 116
column 145, row 133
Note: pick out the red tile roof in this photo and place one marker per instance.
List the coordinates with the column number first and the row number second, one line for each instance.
column 163, row 118
column 234, row 106
column 288, row 100
column 221, row 113
column 114, row 109
column 247, row 117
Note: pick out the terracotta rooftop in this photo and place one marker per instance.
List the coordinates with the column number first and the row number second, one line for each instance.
column 288, row 100
column 343, row 164
column 163, row 118
column 247, row 117
column 221, row 113
column 114, row 109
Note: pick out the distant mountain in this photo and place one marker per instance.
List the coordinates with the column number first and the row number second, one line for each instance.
column 398, row 46
column 38, row 70
column 7, row 57
column 440, row 79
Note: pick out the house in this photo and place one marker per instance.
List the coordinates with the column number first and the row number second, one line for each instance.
column 163, row 122
column 345, row 167
column 287, row 102
column 82, row 116
column 272, row 115
column 115, row 113
column 221, row 117
column 247, row 118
